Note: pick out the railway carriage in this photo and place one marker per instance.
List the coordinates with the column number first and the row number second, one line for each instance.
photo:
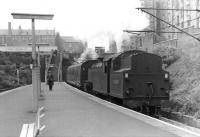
column 77, row 75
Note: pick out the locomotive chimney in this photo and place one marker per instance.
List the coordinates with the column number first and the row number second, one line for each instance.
column 100, row 51
column 9, row 29
column 20, row 30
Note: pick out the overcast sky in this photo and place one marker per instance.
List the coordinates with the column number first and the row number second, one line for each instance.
column 82, row 18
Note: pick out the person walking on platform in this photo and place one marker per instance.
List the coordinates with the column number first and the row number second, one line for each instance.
column 50, row 81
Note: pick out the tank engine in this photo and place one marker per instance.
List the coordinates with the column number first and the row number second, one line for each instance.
column 134, row 77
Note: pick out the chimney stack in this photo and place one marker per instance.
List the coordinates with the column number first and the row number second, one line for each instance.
column 9, row 29
column 20, row 30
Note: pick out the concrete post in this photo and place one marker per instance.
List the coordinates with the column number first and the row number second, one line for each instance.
column 34, row 70
column 39, row 75
column 18, row 77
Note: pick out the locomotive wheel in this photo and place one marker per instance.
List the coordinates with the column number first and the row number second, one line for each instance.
column 152, row 110
column 110, row 98
column 144, row 109
column 84, row 87
column 138, row 109
column 158, row 110
column 87, row 87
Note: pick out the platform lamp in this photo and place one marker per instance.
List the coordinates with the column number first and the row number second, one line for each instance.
column 35, row 67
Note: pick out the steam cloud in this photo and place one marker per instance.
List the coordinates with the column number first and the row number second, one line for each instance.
column 109, row 24
column 87, row 55
column 125, row 17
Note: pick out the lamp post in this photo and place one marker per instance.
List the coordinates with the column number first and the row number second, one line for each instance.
column 39, row 77
column 35, row 77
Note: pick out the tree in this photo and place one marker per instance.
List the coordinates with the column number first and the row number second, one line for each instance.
column 59, row 42
column 112, row 46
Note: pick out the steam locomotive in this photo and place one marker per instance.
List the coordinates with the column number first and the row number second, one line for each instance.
column 134, row 77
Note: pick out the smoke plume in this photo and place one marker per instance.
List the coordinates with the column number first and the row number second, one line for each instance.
column 88, row 54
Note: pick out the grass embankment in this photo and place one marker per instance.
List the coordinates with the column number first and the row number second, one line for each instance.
column 8, row 74
column 183, row 63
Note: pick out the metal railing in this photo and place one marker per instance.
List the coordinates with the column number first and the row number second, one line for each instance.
column 38, row 127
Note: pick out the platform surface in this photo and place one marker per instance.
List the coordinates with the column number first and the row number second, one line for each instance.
column 69, row 113
column 15, row 110
column 72, row 113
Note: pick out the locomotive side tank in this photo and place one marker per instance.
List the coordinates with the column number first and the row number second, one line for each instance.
column 99, row 75
column 98, row 78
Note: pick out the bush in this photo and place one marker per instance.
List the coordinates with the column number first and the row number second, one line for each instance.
column 189, row 108
column 168, row 54
column 6, row 84
column 26, row 76
column 186, row 107
column 7, row 69
column 172, row 105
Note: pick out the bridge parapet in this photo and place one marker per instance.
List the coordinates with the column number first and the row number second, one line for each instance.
column 26, row 48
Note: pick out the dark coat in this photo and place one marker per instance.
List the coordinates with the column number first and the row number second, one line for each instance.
column 50, row 80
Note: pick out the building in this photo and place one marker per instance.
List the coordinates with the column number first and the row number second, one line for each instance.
column 183, row 18
column 22, row 37
column 73, row 45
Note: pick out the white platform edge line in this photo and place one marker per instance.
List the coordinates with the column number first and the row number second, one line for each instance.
column 24, row 130
column 31, row 130
column 119, row 108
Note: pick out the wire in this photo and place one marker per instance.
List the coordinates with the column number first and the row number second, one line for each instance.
column 180, row 23
column 171, row 25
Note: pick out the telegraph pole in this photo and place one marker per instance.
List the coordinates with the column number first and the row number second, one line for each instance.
column 35, row 68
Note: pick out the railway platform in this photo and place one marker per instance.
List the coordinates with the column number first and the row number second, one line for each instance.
column 70, row 112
